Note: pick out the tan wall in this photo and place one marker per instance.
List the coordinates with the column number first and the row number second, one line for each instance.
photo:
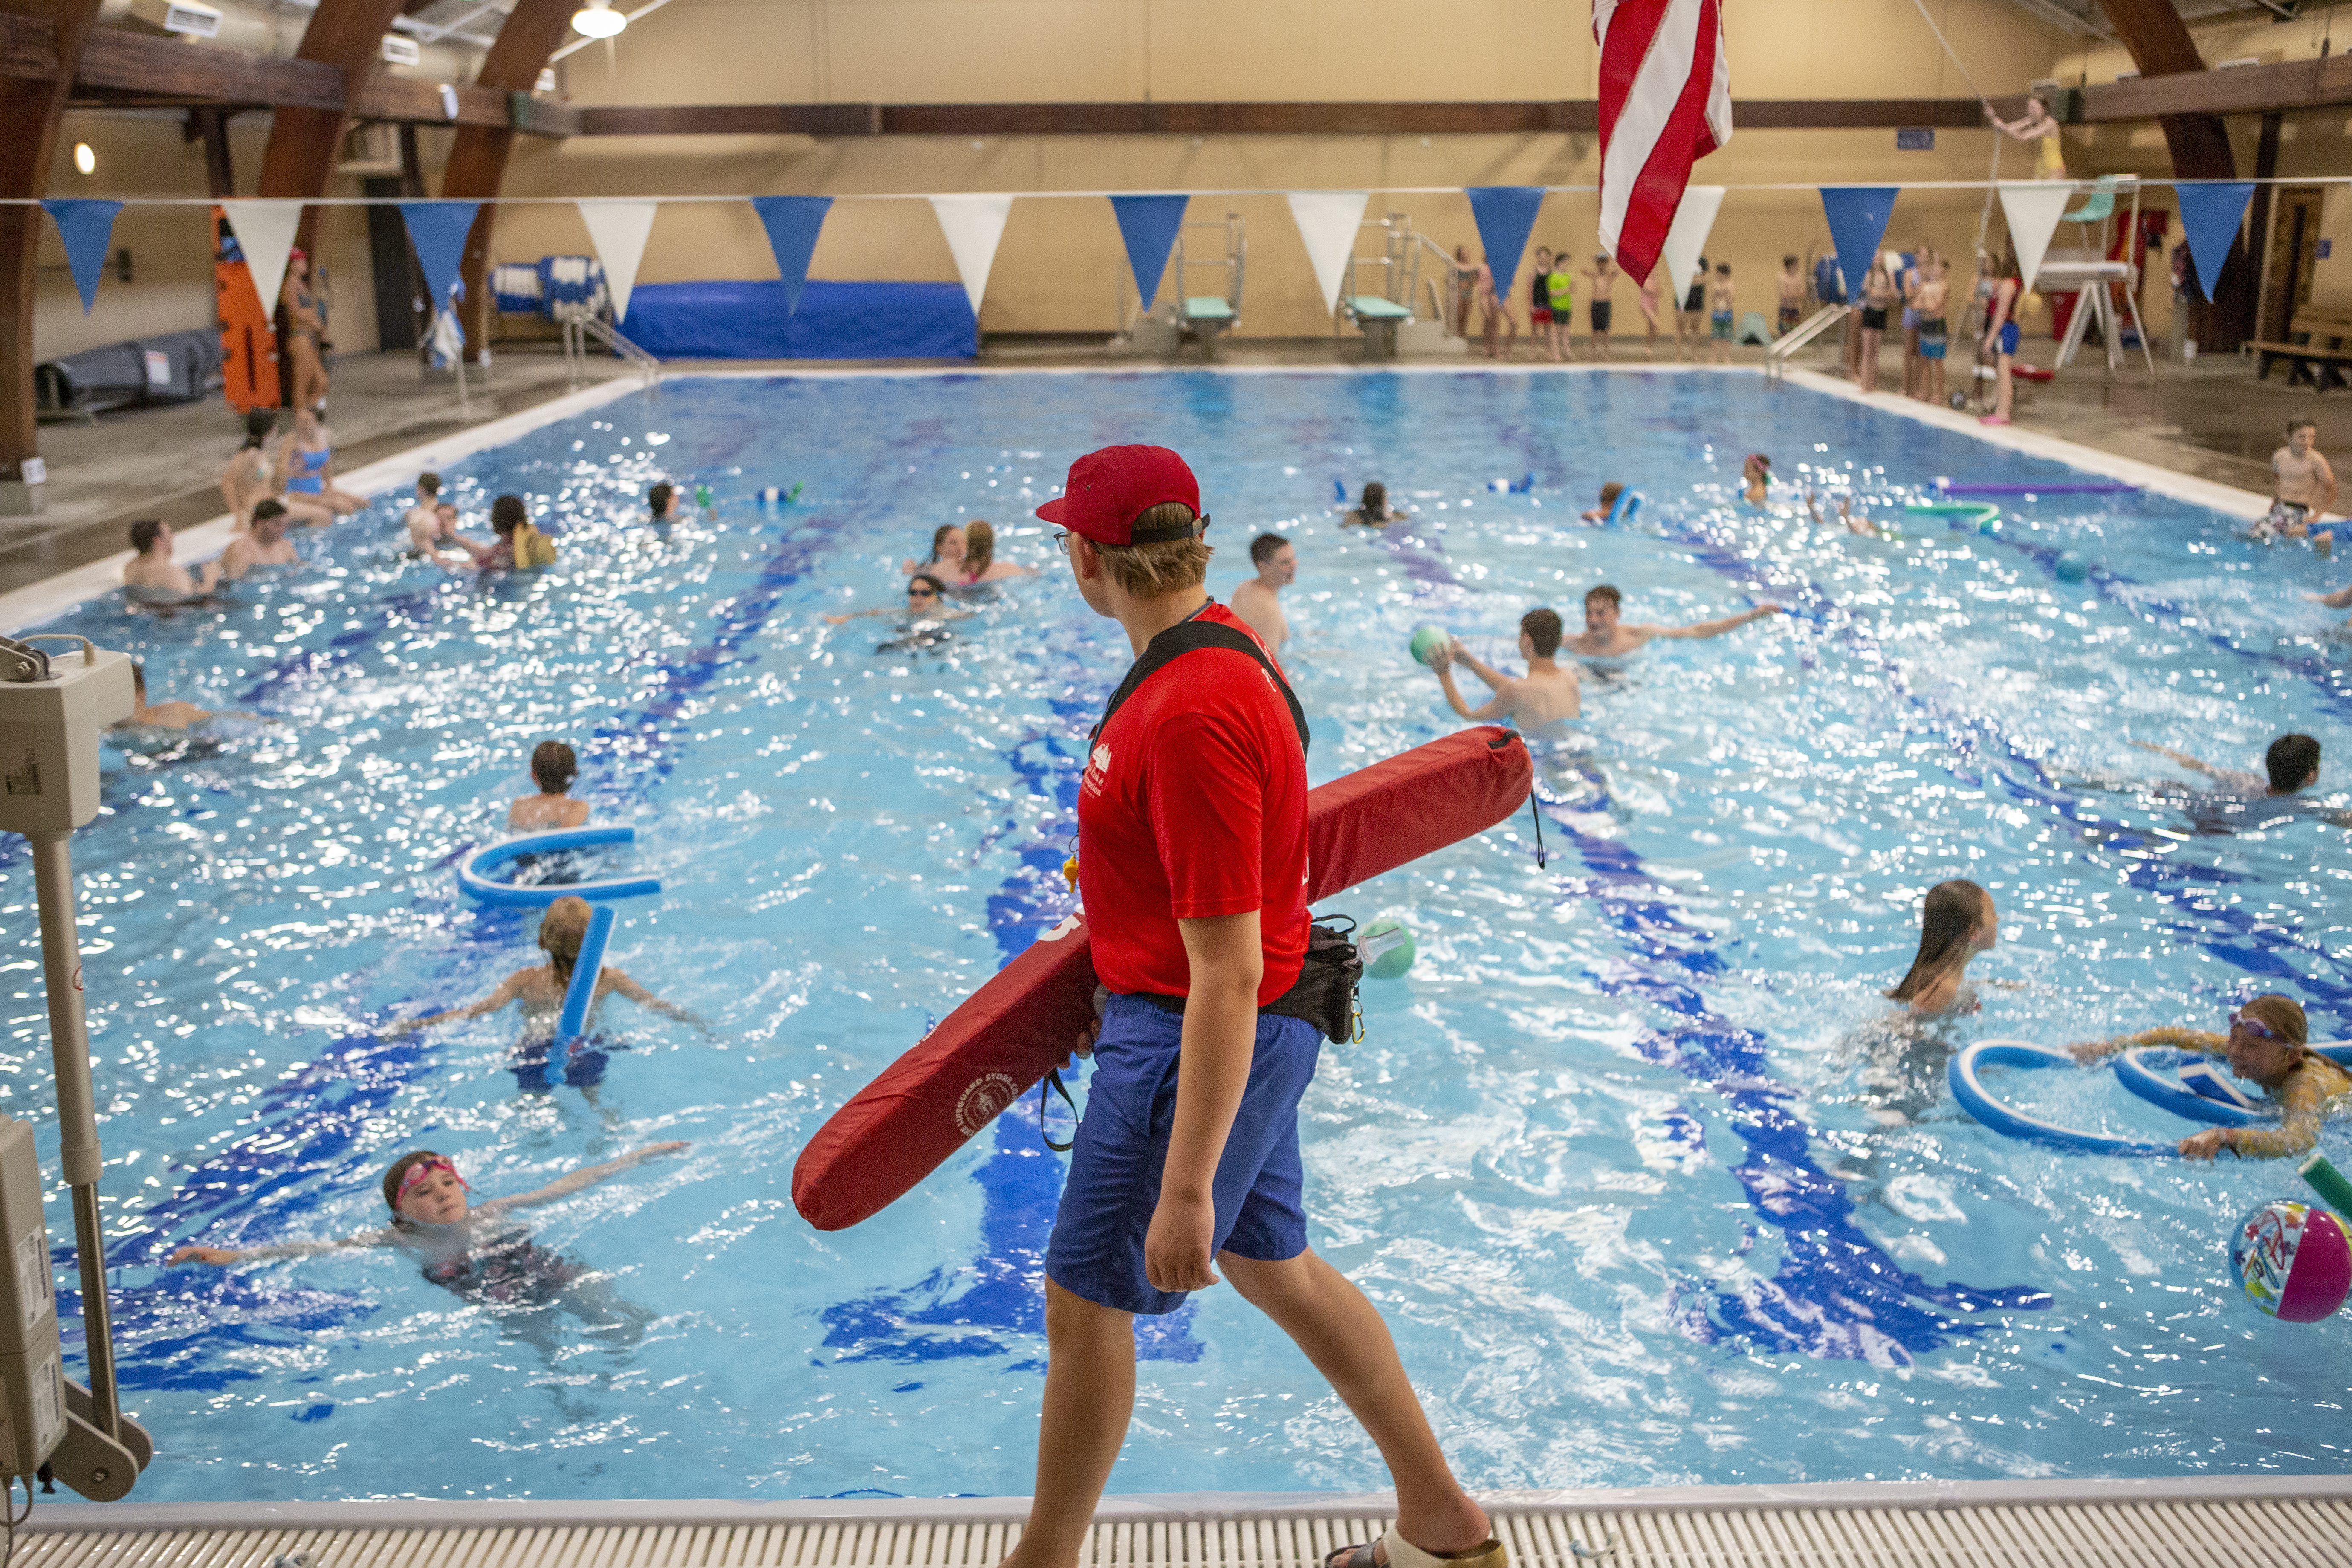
column 143, row 153
column 1061, row 267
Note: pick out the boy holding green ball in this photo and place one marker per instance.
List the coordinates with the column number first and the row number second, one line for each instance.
column 1547, row 695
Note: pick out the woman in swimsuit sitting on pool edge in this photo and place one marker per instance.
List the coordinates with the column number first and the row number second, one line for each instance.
column 2268, row 1043
column 306, row 463
column 541, row 990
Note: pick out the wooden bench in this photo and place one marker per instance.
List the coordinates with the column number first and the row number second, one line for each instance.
column 2318, row 354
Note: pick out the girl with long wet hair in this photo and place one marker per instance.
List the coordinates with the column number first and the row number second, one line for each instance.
column 1956, row 922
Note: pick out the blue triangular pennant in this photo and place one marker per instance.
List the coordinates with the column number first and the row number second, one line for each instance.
column 2211, row 211
column 1857, row 215
column 439, row 230
column 1506, row 215
column 87, row 228
column 1148, row 225
column 792, row 223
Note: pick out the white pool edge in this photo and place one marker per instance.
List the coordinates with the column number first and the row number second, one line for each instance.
column 55, row 595
column 428, row 1513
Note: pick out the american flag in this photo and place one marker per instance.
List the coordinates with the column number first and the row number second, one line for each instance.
column 1666, row 103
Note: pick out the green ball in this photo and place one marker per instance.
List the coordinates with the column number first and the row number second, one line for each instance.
column 1428, row 640
column 1386, row 948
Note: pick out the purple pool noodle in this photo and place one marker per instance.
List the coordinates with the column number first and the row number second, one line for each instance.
column 2107, row 488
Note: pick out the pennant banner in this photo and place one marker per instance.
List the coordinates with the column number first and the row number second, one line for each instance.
column 1686, row 242
column 439, row 230
column 973, row 224
column 792, row 223
column 1857, row 215
column 2032, row 208
column 1328, row 221
column 619, row 231
column 1506, row 215
column 265, row 228
column 87, row 228
column 2210, row 212
column 1148, row 225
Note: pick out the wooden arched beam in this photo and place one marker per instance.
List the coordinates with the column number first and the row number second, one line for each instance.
column 31, row 108
column 304, row 142
column 477, row 159
column 2160, row 45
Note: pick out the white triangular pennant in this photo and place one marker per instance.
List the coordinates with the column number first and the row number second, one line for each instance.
column 265, row 238
column 2034, row 208
column 1687, row 237
column 1328, row 222
column 619, row 231
column 973, row 224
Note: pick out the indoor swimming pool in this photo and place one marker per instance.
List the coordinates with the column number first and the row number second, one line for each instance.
column 1649, row 1186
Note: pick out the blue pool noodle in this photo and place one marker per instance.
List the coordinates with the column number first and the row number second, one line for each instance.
column 573, row 1022
column 1628, row 503
column 475, row 880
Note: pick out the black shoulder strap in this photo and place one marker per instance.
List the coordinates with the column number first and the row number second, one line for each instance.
column 1185, row 636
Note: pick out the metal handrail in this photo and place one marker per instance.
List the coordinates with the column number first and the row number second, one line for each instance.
column 578, row 329
column 1777, row 352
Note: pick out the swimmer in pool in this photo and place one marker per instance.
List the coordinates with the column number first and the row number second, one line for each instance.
column 146, row 715
column 152, row 577
column 1545, row 697
column 1609, row 494
column 667, row 502
column 1956, row 921
column 433, row 1216
column 1256, row 600
column 2268, row 1044
column 263, row 544
column 541, row 990
column 423, row 520
column 2292, row 763
column 1853, row 521
column 945, row 562
column 926, row 604
column 2303, row 490
column 1373, row 511
column 1605, row 636
column 979, row 562
column 554, row 767
column 1754, row 474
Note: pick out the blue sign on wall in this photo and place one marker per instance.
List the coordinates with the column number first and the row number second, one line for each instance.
column 1920, row 141
column 2325, row 247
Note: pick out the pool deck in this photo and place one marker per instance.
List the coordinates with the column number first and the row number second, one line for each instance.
column 2225, row 1522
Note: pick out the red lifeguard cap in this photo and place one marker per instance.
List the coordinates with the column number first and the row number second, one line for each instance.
column 1108, row 489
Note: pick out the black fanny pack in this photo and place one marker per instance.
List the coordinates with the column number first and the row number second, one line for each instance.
column 1324, row 992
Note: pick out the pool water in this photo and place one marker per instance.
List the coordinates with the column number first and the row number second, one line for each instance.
column 1648, row 1187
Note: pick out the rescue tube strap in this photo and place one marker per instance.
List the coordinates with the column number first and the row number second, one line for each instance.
column 1054, row 1082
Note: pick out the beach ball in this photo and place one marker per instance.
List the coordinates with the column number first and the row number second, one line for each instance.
column 2294, row 1259
column 1386, row 948
column 1427, row 640
column 2071, row 567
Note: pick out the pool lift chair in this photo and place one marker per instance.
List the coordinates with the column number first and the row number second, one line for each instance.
column 1206, row 318
column 52, row 710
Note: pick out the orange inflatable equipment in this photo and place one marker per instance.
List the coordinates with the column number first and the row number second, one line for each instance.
column 248, row 334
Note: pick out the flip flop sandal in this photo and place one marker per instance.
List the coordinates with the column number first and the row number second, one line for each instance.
column 1403, row 1554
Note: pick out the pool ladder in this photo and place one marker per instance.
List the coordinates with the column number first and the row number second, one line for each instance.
column 1776, row 353
column 579, row 329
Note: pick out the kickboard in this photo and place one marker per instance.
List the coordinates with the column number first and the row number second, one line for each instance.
column 1023, row 1023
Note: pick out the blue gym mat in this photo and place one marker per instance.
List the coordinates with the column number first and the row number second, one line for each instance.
column 836, row 321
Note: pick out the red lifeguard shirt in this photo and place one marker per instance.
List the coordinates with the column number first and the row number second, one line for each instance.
column 1195, row 805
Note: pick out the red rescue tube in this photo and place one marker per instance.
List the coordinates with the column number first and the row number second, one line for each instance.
column 1020, row 1026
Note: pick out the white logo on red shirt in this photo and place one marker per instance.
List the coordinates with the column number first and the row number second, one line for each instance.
column 1097, row 769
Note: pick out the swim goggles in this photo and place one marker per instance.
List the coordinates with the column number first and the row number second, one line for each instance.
column 2255, row 1027
column 423, row 1168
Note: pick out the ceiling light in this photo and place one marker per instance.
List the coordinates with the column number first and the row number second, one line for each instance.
column 84, row 159
column 597, row 20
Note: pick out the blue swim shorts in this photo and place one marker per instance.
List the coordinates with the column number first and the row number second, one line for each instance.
column 2009, row 337
column 1096, row 1250
column 1932, row 348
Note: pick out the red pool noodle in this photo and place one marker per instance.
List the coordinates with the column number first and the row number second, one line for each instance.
column 1011, row 1032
